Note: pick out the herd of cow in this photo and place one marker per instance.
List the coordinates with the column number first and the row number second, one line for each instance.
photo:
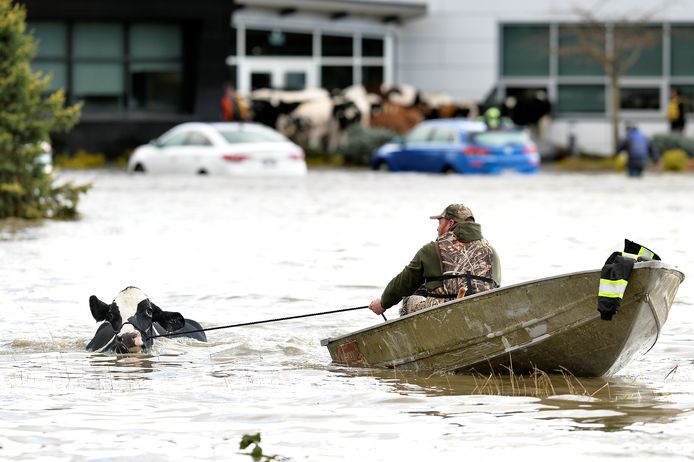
column 318, row 119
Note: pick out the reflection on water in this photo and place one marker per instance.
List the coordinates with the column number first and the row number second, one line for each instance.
column 13, row 229
column 540, row 385
column 585, row 404
column 615, row 415
column 224, row 253
column 123, row 366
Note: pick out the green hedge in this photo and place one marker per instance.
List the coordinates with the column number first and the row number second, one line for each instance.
column 668, row 141
column 361, row 142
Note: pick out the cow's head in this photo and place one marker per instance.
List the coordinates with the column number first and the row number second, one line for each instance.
column 131, row 316
column 346, row 112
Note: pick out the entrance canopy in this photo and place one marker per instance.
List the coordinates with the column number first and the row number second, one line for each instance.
column 297, row 44
column 387, row 11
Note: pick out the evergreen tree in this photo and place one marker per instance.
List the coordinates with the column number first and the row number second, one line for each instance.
column 28, row 114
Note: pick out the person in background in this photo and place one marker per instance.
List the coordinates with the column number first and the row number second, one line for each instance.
column 492, row 117
column 233, row 107
column 676, row 112
column 638, row 148
column 460, row 262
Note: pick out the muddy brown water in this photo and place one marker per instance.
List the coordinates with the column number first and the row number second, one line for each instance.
column 225, row 251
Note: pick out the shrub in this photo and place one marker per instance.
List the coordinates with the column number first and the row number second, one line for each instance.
column 319, row 157
column 667, row 141
column 620, row 162
column 28, row 114
column 674, row 160
column 81, row 159
column 361, row 142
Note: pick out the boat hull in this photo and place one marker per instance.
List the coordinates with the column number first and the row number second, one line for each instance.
column 551, row 324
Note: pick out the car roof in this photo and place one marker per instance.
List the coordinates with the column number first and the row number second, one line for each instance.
column 460, row 124
column 222, row 126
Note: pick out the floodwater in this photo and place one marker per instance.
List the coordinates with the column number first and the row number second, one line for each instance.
column 226, row 251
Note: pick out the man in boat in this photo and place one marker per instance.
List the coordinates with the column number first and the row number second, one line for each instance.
column 460, row 262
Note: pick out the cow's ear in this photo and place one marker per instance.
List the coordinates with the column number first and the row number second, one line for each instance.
column 169, row 320
column 98, row 308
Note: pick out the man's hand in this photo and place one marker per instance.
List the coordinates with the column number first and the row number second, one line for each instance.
column 376, row 306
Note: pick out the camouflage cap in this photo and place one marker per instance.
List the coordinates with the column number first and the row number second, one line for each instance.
column 457, row 212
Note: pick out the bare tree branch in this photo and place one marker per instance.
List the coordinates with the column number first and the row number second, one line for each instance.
column 614, row 43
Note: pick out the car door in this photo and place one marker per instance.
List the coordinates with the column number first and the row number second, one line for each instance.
column 439, row 154
column 412, row 154
column 199, row 154
column 169, row 148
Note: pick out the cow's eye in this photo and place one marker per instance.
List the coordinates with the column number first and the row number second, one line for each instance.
column 148, row 312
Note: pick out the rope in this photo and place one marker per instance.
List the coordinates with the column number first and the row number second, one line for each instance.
column 173, row 334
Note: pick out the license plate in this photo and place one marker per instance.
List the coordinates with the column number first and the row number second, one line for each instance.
column 269, row 162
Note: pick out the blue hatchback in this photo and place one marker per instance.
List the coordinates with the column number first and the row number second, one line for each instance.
column 459, row 145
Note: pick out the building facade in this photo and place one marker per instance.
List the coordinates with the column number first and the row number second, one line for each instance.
column 142, row 66
column 139, row 67
column 487, row 51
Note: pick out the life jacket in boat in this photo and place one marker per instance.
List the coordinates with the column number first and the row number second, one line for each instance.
column 467, row 269
column 614, row 276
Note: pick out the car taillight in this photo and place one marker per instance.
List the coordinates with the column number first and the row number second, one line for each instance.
column 475, row 151
column 298, row 155
column 529, row 149
column 235, row 157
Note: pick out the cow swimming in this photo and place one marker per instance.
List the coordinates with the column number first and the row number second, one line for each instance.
column 129, row 322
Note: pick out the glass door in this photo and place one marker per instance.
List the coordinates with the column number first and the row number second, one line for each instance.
column 279, row 74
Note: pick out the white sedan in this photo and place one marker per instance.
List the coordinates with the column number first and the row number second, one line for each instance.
column 226, row 148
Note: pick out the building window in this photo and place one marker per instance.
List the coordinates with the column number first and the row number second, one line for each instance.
column 635, row 98
column 581, row 98
column 336, row 45
column 155, row 67
column 336, row 77
column 51, row 54
column 686, row 93
column 261, row 80
column 278, row 43
column 372, row 77
column 682, row 44
column 97, row 65
column 338, row 60
column 575, row 75
column 372, row 47
column 644, row 47
column 113, row 66
column 574, row 57
column 525, row 50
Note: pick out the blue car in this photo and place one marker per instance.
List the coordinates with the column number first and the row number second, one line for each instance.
column 460, row 146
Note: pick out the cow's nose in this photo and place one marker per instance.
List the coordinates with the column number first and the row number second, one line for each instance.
column 131, row 340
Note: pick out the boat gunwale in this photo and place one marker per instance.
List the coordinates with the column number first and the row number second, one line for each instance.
column 655, row 264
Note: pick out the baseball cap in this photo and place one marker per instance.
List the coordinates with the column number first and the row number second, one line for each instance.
column 457, row 212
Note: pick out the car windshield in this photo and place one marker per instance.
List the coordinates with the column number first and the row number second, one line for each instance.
column 251, row 136
column 500, row 138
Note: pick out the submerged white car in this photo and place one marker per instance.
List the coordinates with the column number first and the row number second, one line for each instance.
column 223, row 148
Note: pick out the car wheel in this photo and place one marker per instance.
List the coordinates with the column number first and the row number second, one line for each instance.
column 383, row 166
column 202, row 171
column 139, row 168
column 448, row 170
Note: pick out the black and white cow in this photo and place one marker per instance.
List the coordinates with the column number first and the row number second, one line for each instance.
column 131, row 319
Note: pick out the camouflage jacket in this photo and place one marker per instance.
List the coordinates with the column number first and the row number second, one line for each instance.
column 426, row 266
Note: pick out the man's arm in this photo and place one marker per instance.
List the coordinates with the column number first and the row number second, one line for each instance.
column 623, row 145
column 425, row 264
